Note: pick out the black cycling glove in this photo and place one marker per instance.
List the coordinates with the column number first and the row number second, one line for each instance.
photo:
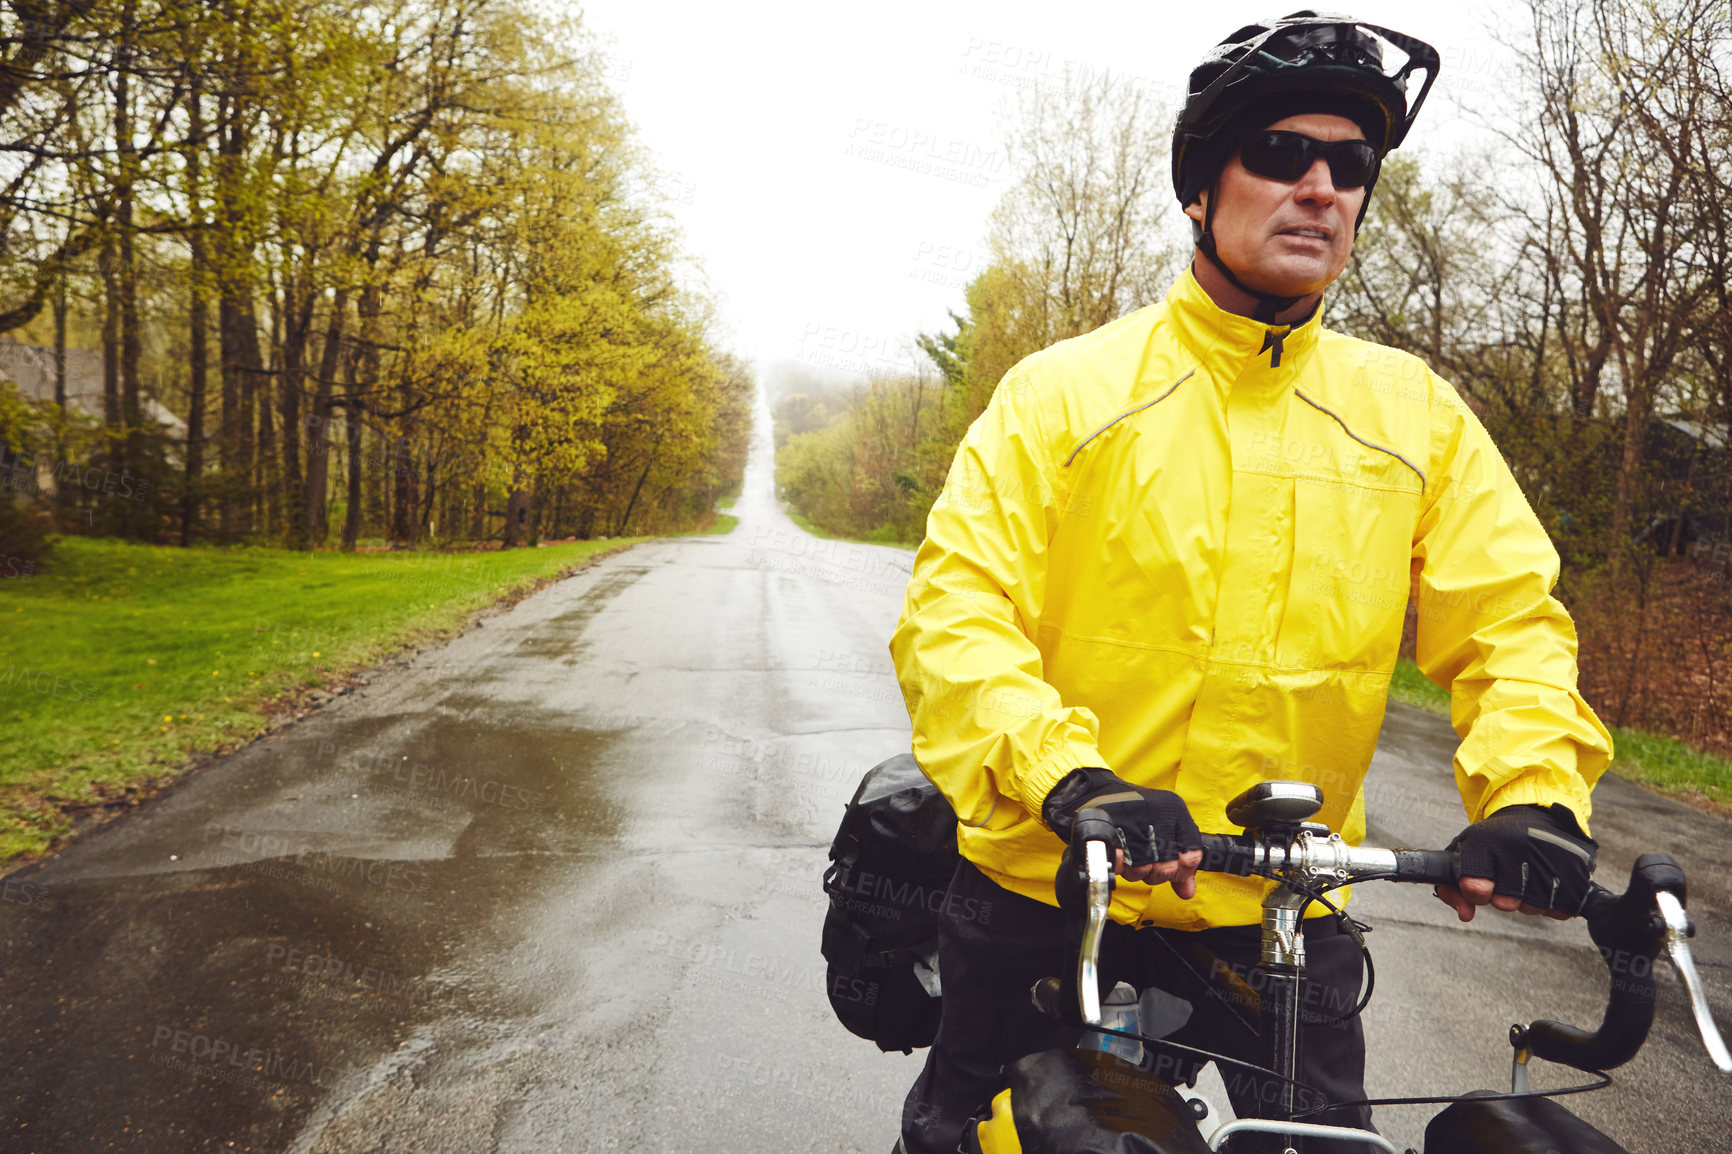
column 1537, row 853
column 1154, row 824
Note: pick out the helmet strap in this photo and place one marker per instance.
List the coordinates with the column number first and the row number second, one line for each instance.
column 1268, row 305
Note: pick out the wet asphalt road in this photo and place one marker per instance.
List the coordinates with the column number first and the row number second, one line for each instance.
column 554, row 887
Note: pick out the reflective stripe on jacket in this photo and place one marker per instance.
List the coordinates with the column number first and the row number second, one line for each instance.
column 1182, row 546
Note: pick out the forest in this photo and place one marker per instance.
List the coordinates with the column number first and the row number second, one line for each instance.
column 310, row 274
column 1569, row 270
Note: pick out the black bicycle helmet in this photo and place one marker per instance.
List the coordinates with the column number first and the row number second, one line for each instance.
column 1305, row 62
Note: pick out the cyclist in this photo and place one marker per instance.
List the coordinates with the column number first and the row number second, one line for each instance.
column 1173, row 557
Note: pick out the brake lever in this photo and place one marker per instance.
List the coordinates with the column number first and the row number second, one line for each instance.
column 1678, row 946
column 1084, row 896
column 1100, row 888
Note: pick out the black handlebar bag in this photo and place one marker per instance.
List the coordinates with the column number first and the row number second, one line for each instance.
column 891, row 865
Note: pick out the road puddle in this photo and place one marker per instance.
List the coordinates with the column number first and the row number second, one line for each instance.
column 297, row 937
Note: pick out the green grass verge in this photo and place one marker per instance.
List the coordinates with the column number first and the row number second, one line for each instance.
column 121, row 661
column 800, row 520
column 725, row 523
column 1665, row 764
column 1673, row 767
column 884, row 536
column 1411, row 687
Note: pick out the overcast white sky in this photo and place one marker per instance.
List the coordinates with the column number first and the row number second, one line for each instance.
column 833, row 166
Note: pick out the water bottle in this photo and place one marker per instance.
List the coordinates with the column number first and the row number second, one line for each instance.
column 1118, row 1012
column 926, row 973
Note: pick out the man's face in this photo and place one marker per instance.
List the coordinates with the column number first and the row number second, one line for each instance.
column 1285, row 239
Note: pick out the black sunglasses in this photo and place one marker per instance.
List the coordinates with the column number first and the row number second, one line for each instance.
column 1287, row 156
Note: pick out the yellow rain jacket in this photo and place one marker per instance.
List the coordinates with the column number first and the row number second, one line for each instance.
column 1181, row 547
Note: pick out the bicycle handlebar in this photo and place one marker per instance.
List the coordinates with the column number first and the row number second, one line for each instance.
column 1630, row 933
column 1630, row 929
column 1329, row 858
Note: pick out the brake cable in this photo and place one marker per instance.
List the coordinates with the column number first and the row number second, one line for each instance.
column 1354, row 929
column 1207, row 1055
column 1585, row 1087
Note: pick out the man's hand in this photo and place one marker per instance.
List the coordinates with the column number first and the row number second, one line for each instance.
column 1182, row 871
column 1531, row 858
column 1160, row 841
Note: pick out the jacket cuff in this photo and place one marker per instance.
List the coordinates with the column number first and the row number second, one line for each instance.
column 1039, row 779
column 1537, row 789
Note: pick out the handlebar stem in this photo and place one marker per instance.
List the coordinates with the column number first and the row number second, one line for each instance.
column 1283, row 938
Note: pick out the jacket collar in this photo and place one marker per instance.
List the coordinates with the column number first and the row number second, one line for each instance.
column 1227, row 344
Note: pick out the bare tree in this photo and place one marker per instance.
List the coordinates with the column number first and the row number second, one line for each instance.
column 1615, row 130
column 1082, row 225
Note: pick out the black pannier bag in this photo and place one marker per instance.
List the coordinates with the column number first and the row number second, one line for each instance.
column 890, row 868
column 1089, row 1102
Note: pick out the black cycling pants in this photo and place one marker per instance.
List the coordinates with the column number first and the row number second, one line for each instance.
column 994, row 945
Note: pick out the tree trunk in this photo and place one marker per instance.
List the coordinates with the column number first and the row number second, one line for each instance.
column 267, row 483
column 237, row 321
column 63, row 495
column 126, row 275
column 105, row 265
column 537, row 500
column 1629, row 468
column 632, row 504
column 197, row 321
column 243, row 369
column 404, row 499
column 111, row 418
column 363, row 377
column 298, row 307
column 230, row 432
column 319, row 426
column 385, row 488
column 131, row 346
column 478, row 515
column 60, row 345
column 516, row 513
column 426, row 510
column 352, row 515
column 379, row 493
column 126, row 272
